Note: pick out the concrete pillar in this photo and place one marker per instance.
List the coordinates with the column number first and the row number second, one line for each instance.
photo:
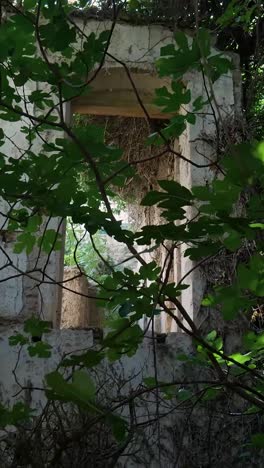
column 79, row 309
column 194, row 147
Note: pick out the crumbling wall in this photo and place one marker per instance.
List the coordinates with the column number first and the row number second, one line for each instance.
column 206, row 433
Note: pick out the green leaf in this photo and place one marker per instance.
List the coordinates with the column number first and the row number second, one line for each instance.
column 231, row 300
column 40, row 349
column 29, row 4
column 89, row 359
column 208, row 301
column 211, row 394
column 36, row 327
column 84, row 385
column 149, row 271
column 175, row 189
column 81, row 391
column 118, row 426
column 33, row 223
column 18, row 339
column 204, row 41
column 211, row 336
column 257, row 226
column 251, row 276
column 152, row 198
column 184, row 394
column 150, row 382
column 219, row 66
column 173, row 290
column 125, row 309
column 182, row 40
column 232, row 241
column 25, row 241
column 191, row 118
column 240, row 358
column 20, row 413
column 254, row 342
column 198, row 104
column 172, row 101
column 51, row 240
column 202, row 250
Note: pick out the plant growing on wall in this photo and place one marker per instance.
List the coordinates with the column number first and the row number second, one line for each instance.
column 43, row 183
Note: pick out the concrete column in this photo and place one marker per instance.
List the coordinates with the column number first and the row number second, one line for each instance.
column 194, row 148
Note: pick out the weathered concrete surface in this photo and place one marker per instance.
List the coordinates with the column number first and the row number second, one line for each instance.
column 22, row 377
column 193, row 146
column 79, row 306
column 182, row 434
column 30, row 371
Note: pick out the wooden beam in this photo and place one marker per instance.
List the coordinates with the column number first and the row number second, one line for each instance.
column 113, row 94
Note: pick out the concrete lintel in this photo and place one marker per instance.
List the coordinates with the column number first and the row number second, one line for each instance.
column 113, row 93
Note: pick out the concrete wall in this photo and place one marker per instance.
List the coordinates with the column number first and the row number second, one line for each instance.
column 192, row 145
column 187, row 435
column 18, row 371
column 20, row 295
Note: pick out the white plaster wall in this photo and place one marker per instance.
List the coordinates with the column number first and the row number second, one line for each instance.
column 19, row 296
column 11, row 291
column 21, row 370
column 30, row 371
column 133, row 44
column 225, row 106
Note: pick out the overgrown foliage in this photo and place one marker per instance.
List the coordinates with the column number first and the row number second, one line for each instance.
column 45, row 61
column 79, row 251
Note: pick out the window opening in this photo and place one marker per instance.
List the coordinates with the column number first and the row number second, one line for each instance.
column 84, row 265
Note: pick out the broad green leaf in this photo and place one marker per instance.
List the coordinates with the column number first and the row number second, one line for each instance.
column 89, row 359
column 40, row 349
column 18, row 414
column 211, row 336
column 211, row 394
column 182, row 40
column 118, row 426
column 81, row 391
column 51, row 240
column 240, row 358
column 208, row 301
column 204, row 41
column 25, row 241
column 36, row 327
column 84, row 385
column 150, row 381
column 18, row 339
